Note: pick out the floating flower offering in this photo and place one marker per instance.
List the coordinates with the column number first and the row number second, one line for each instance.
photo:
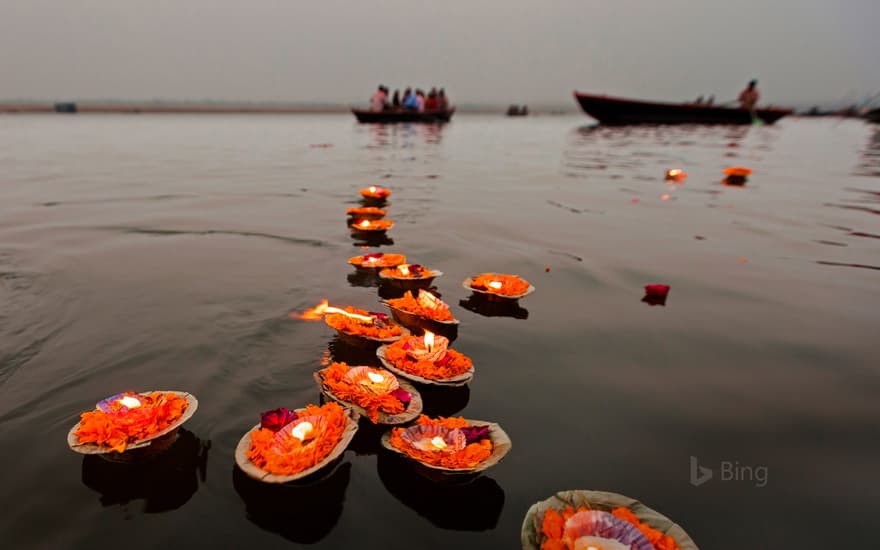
column 354, row 322
column 409, row 276
column 375, row 192
column 508, row 287
column 373, row 226
column 289, row 445
column 426, row 305
column 130, row 420
column 580, row 520
column 377, row 260
column 374, row 393
column 366, row 213
column 427, row 359
column 454, row 445
column 736, row 175
column 676, row 175
column 655, row 294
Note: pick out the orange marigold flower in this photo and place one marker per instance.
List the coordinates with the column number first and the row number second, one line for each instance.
column 266, row 455
column 334, row 379
column 468, row 457
column 453, row 364
column 427, row 305
column 376, row 329
column 118, row 429
column 498, row 283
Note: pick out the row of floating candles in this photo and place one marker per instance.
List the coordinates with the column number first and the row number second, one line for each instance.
column 435, row 444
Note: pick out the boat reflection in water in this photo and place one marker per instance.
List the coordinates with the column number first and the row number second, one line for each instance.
column 165, row 482
column 302, row 512
column 472, row 506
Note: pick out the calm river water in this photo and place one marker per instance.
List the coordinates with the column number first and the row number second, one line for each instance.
column 166, row 252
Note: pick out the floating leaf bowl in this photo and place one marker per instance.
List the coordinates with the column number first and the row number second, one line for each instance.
column 376, row 227
column 255, row 472
column 387, row 260
column 413, row 408
column 362, row 341
column 495, row 296
column 416, row 322
column 142, row 448
column 410, row 283
column 366, row 213
column 460, row 380
column 501, row 445
column 532, row 538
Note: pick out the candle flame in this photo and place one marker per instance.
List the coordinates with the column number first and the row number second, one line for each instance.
column 429, row 340
column 438, row 443
column 376, row 378
column 302, row 430
column 317, row 313
column 130, row 402
column 495, row 284
column 674, row 172
column 372, row 260
column 404, row 269
column 364, row 223
column 372, row 189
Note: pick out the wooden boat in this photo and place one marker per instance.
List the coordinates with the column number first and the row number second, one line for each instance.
column 400, row 115
column 618, row 111
column 873, row 115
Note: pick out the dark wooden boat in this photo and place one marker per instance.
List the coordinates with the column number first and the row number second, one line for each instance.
column 400, row 115
column 873, row 115
column 617, row 111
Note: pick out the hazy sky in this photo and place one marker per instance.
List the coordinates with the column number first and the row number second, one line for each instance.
column 480, row 50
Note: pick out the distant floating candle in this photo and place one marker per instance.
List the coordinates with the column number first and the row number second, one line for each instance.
column 375, row 192
column 736, row 175
column 676, row 175
column 376, row 226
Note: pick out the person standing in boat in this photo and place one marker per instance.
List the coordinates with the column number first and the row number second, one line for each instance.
column 748, row 98
column 379, row 99
column 442, row 102
column 395, row 100
column 420, row 100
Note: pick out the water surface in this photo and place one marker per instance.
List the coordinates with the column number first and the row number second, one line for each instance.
column 166, row 252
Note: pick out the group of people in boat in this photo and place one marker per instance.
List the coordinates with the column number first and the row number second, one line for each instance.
column 411, row 100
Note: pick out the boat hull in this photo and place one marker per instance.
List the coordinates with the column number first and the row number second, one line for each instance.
column 391, row 117
column 617, row 111
column 873, row 116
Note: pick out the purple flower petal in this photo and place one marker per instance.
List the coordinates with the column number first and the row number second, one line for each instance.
column 402, row 395
column 277, row 418
column 475, row 433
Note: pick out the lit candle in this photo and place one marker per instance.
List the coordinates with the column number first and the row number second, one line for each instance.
column 404, row 269
column 495, row 284
column 130, row 402
column 372, row 189
column 438, row 443
column 365, row 223
column 375, row 377
column 429, row 341
column 302, row 430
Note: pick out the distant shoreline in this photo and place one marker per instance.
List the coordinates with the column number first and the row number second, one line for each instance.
column 70, row 107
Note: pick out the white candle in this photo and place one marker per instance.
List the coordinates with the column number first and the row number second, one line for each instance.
column 438, row 443
column 375, row 377
column 495, row 284
column 301, row 430
column 130, row 402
